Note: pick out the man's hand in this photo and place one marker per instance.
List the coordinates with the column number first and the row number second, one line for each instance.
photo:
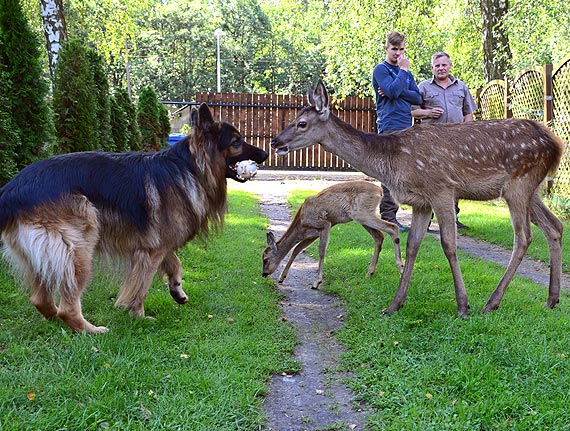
column 436, row 112
column 403, row 62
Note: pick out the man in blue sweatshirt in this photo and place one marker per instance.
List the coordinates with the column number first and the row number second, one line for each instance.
column 396, row 91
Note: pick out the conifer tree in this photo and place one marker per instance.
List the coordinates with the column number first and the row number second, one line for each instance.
column 133, row 132
column 119, row 126
column 103, row 134
column 27, row 89
column 148, row 116
column 73, row 101
column 9, row 139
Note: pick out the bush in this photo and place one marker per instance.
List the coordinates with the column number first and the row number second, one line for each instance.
column 153, row 119
column 25, row 88
column 73, row 100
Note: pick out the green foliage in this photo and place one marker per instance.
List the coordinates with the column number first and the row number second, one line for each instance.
column 9, row 139
column 133, row 134
column 100, row 92
column 119, row 126
column 27, row 89
column 75, row 106
column 151, row 119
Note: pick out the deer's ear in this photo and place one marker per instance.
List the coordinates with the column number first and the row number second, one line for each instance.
column 310, row 93
column 271, row 240
column 321, row 99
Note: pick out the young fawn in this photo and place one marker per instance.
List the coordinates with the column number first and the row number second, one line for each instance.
column 340, row 203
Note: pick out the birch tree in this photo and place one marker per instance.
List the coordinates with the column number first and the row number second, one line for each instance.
column 54, row 29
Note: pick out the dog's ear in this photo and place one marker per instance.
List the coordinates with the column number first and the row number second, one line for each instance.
column 205, row 119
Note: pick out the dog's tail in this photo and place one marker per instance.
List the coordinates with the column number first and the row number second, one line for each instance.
column 41, row 256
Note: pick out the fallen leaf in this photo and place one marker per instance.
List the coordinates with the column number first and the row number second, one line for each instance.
column 352, row 426
column 231, row 319
column 31, row 396
column 429, row 396
column 184, row 356
column 210, row 316
column 95, row 349
column 320, row 392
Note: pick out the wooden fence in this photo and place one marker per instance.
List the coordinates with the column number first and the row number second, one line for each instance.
column 260, row 117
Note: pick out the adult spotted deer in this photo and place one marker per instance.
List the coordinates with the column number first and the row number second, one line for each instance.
column 428, row 167
column 339, row 203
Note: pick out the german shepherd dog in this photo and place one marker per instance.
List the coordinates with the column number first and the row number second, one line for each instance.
column 135, row 208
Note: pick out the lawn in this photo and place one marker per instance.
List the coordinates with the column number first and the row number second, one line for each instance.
column 205, row 365
column 198, row 366
column 426, row 369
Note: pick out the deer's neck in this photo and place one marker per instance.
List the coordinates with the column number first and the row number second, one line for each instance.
column 364, row 151
column 292, row 236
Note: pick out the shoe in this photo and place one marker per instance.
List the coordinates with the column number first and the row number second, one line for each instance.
column 461, row 225
column 401, row 227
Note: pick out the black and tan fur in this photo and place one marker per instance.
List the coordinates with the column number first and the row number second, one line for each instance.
column 138, row 208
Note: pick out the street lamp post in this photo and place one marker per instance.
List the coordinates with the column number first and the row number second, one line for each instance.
column 218, row 33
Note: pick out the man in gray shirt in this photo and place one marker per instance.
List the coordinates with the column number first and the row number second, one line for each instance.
column 445, row 99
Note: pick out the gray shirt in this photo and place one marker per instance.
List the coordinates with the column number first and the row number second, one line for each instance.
column 455, row 99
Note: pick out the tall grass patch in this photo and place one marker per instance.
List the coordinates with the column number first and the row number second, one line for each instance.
column 200, row 366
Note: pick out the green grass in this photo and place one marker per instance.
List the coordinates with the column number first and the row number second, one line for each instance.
column 204, row 365
column 199, row 366
column 490, row 221
column 425, row 369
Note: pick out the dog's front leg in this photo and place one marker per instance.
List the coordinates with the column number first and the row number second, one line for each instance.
column 172, row 268
column 135, row 287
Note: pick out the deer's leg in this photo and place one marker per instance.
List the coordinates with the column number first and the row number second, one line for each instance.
column 142, row 266
column 377, row 224
column 552, row 229
column 172, row 268
column 323, row 244
column 298, row 249
column 445, row 213
column 378, row 238
column 520, row 219
column 420, row 221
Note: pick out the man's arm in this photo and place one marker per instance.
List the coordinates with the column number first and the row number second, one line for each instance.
column 389, row 84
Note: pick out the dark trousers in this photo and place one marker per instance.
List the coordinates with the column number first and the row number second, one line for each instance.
column 388, row 208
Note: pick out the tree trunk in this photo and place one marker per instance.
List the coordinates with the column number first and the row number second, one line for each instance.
column 54, row 29
column 496, row 50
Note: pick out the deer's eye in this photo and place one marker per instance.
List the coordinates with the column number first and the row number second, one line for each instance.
column 301, row 124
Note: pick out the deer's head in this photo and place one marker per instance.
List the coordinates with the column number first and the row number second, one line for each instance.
column 309, row 126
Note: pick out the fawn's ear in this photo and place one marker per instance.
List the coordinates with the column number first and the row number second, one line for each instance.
column 271, row 240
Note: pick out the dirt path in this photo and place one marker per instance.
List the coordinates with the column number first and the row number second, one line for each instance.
column 315, row 398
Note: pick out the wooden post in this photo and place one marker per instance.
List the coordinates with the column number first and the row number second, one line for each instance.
column 547, row 79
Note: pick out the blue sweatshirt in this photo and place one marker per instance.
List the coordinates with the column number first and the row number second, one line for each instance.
column 394, row 109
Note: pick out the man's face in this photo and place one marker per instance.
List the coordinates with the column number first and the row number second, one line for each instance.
column 393, row 52
column 440, row 68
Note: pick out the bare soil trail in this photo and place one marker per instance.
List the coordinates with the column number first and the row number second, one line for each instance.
column 316, row 398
